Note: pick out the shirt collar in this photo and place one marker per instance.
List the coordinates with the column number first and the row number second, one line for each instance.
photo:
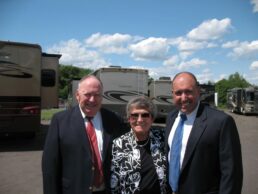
column 84, row 116
column 192, row 115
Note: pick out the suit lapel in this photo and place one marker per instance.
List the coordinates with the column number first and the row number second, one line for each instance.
column 106, row 136
column 169, row 127
column 199, row 127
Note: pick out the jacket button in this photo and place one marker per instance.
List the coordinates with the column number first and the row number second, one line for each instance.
column 92, row 168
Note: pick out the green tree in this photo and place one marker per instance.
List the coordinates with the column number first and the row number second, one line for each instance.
column 68, row 73
column 221, row 88
column 234, row 81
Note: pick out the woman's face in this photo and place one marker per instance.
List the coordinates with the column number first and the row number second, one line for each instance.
column 140, row 121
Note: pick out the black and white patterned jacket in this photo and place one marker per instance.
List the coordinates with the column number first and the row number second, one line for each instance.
column 126, row 162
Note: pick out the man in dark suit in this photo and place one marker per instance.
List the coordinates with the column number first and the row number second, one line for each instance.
column 67, row 162
column 210, row 157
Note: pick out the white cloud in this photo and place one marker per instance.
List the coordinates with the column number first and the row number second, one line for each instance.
column 205, row 76
column 254, row 65
column 231, row 44
column 210, row 29
column 211, row 45
column 193, row 63
column 185, row 54
column 189, row 45
column 74, row 53
column 150, row 49
column 173, row 60
column 255, row 3
column 175, row 41
column 201, row 37
column 116, row 43
column 221, row 77
column 157, row 72
column 244, row 49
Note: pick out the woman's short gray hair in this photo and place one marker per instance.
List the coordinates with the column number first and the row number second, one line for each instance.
column 142, row 102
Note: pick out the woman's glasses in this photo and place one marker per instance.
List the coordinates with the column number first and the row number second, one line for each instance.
column 136, row 115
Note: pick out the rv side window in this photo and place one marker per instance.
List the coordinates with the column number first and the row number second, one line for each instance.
column 48, row 77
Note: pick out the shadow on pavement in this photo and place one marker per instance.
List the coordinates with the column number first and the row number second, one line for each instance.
column 19, row 142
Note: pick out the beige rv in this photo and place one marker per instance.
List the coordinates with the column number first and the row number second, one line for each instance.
column 160, row 93
column 119, row 84
column 243, row 100
column 28, row 82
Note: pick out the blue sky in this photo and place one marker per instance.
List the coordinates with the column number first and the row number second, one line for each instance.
column 210, row 38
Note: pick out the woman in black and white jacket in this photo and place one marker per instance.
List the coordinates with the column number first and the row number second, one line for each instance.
column 138, row 159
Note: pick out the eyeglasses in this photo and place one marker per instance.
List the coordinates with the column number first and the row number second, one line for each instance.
column 136, row 115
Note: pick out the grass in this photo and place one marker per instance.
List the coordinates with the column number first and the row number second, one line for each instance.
column 46, row 114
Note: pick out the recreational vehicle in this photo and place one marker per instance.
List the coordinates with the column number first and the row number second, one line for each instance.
column 243, row 100
column 160, row 94
column 208, row 94
column 71, row 99
column 119, row 84
column 122, row 84
column 28, row 82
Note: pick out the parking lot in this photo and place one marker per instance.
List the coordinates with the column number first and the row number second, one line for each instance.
column 20, row 159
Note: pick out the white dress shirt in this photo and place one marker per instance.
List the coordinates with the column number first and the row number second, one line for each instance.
column 97, row 123
column 187, row 128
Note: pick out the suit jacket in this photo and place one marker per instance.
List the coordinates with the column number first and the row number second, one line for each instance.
column 212, row 162
column 126, row 162
column 66, row 161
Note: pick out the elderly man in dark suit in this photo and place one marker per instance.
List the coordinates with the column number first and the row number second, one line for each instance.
column 76, row 161
column 207, row 156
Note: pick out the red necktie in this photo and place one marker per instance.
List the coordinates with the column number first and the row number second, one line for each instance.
column 98, row 172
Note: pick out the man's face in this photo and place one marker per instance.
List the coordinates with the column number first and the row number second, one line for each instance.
column 185, row 93
column 89, row 96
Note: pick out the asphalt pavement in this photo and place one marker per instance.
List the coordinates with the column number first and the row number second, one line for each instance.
column 20, row 159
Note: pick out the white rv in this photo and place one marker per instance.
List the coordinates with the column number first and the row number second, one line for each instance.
column 243, row 100
column 28, row 82
column 160, row 93
column 119, row 84
column 72, row 87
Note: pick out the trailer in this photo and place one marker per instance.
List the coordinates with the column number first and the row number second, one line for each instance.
column 159, row 92
column 72, row 88
column 243, row 100
column 119, row 86
column 122, row 84
column 208, row 94
column 28, row 82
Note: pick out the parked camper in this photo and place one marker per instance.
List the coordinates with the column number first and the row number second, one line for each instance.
column 49, row 80
column 28, row 78
column 120, row 85
column 72, row 87
column 208, row 94
column 243, row 100
column 160, row 93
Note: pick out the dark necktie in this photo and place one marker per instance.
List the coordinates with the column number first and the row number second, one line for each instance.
column 98, row 172
column 174, row 167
